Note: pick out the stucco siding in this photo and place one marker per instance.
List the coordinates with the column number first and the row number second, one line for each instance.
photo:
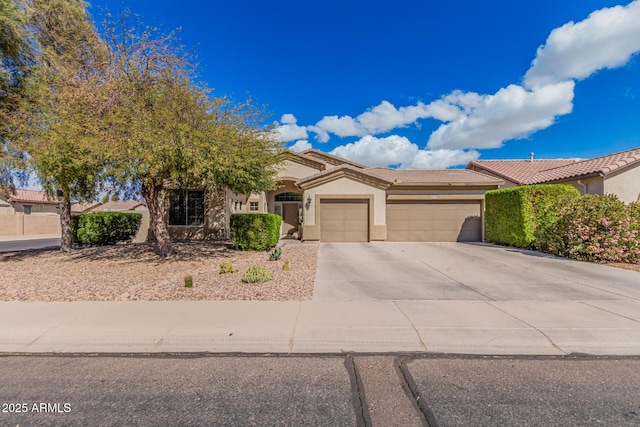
column 295, row 170
column 625, row 184
column 345, row 186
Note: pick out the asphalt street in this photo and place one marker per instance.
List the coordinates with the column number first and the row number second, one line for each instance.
column 343, row 390
column 23, row 243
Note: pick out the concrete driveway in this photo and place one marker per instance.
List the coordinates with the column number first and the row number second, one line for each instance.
column 463, row 271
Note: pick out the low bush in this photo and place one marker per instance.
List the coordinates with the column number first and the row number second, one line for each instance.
column 257, row 274
column 226, row 267
column 188, row 281
column 285, row 266
column 594, row 228
column 104, row 228
column 514, row 214
column 255, row 232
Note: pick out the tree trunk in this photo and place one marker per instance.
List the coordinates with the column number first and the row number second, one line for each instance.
column 151, row 194
column 65, row 222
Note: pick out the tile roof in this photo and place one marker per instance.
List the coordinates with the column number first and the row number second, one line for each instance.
column 84, row 206
column 344, row 168
column 540, row 171
column 112, row 206
column 330, row 158
column 35, row 196
column 449, row 176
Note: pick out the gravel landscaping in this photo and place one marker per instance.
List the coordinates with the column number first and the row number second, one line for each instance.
column 133, row 272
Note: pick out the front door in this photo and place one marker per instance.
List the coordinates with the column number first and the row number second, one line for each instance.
column 290, row 218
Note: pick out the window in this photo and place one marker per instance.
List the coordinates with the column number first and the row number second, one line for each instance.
column 277, row 209
column 186, row 207
column 289, row 197
column 253, row 206
column 27, row 210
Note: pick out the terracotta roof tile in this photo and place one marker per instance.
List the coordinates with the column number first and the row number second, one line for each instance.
column 600, row 165
column 117, row 206
column 345, row 167
column 330, row 158
column 518, row 171
column 449, row 176
column 35, row 196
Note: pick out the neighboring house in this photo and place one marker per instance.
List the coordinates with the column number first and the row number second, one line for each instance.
column 28, row 212
column 29, row 202
column 327, row 198
column 617, row 173
column 124, row 206
column 83, row 207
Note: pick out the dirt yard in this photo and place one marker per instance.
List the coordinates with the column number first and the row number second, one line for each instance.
column 133, row 272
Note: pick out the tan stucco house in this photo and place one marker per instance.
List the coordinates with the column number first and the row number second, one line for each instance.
column 330, row 199
column 617, row 173
column 28, row 212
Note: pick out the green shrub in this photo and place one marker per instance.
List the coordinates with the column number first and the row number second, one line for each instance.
column 226, row 267
column 594, row 228
column 275, row 254
column 255, row 232
column 188, row 281
column 285, row 266
column 514, row 214
column 104, row 228
column 257, row 274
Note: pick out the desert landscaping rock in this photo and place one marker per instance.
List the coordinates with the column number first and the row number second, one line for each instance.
column 133, row 272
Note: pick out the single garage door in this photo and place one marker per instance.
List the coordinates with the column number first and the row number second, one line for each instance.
column 344, row 220
column 431, row 221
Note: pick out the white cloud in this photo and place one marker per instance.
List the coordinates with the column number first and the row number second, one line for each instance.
column 441, row 159
column 606, row 39
column 341, row 126
column 288, row 130
column 512, row 113
column 398, row 150
column 372, row 151
column 288, row 119
column 300, row 145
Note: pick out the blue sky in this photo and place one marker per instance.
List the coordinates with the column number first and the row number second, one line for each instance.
column 423, row 84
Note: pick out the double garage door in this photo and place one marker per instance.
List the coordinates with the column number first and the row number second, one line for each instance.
column 431, row 221
column 407, row 221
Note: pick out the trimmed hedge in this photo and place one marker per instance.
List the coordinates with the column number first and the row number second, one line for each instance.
column 514, row 214
column 104, row 228
column 255, row 232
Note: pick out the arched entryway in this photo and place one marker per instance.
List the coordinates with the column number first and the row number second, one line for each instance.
column 289, row 206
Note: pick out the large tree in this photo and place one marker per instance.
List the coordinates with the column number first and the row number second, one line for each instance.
column 60, row 122
column 173, row 133
column 16, row 57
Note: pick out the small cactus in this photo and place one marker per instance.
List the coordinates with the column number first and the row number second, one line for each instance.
column 275, row 254
column 285, row 266
column 257, row 274
column 226, row 267
column 188, row 281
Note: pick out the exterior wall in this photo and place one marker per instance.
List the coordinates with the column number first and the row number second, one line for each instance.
column 589, row 186
column 343, row 188
column 36, row 208
column 295, row 170
column 19, row 224
column 143, row 232
column 437, row 191
column 216, row 220
column 624, row 184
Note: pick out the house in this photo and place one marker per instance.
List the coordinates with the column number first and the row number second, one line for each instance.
column 28, row 212
column 29, row 202
column 617, row 173
column 119, row 206
column 330, row 199
column 83, row 207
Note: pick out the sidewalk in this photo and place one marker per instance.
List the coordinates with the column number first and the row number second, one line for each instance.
column 457, row 326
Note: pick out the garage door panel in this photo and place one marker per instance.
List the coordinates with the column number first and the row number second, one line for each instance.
column 427, row 221
column 344, row 220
